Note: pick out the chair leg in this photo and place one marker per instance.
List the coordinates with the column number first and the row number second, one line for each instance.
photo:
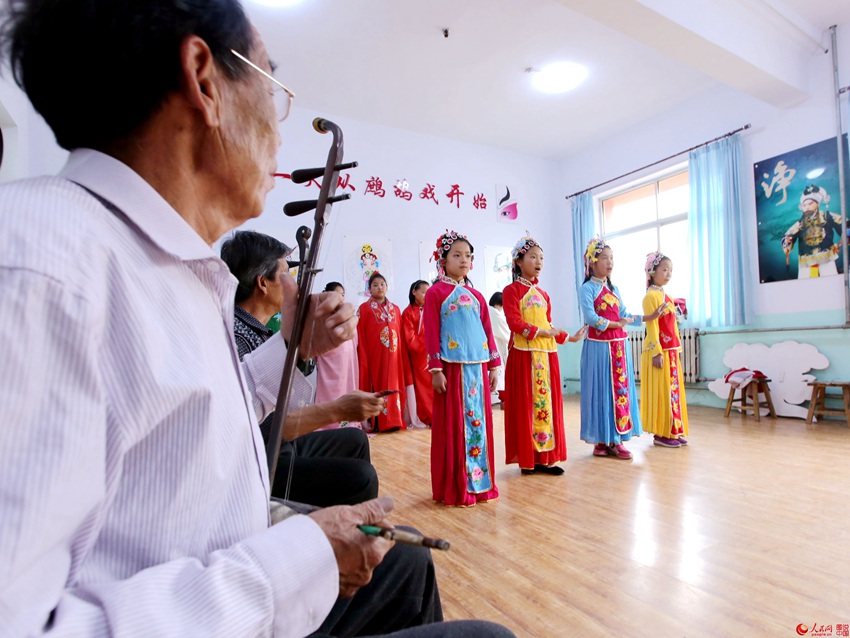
column 729, row 402
column 846, row 395
column 754, row 393
column 812, row 405
column 769, row 400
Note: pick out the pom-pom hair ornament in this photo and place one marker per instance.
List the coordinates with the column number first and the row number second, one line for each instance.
column 444, row 244
column 652, row 261
column 523, row 246
column 591, row 255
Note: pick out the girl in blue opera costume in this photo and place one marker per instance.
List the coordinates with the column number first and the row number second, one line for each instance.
column 463, row 360
column 662, row 394
column 609, row 404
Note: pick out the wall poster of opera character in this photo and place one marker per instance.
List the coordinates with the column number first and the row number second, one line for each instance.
column 798, row 211
column 364, row 255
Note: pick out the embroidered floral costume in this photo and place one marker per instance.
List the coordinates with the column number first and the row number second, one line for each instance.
column 609, row 404
column 663, row 410
column 383, row 360
column 534, row 419
column 459, row 341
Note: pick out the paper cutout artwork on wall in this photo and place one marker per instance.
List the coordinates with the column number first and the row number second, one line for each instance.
column 508, row 206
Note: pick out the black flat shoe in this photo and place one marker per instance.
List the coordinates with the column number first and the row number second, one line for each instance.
column 549, row 469
column 527, row 471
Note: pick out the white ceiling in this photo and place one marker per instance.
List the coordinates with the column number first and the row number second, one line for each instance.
column 388, row 62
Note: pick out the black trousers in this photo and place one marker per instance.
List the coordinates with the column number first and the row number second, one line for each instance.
column 330, row 467
column 401, row 600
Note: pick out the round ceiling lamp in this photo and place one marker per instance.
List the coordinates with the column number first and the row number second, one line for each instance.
column 558, row 77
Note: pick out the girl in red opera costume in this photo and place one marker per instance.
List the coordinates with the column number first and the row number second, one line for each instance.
column 463, row 360
column 534, row 409
column 421, row 402
column 382, row 355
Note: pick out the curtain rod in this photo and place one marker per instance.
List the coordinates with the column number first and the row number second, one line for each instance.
column 637, row 170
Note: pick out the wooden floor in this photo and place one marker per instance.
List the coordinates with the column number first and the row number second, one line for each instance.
column 745, row 532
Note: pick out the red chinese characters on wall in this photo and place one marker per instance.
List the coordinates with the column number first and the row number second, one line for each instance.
column 374, row 186
column 402, row 190
column 428, row 193
column 455, row 192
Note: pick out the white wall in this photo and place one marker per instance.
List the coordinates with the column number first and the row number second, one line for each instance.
column 392, row 154
column 29, row 146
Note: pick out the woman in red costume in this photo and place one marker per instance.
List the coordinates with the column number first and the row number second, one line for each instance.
column 381, row 354
column 421, row 402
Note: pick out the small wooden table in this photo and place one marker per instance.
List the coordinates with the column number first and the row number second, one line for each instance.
column 819, row 396
column 752, row 390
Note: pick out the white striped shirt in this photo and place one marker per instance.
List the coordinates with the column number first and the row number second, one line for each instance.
column 133, row 484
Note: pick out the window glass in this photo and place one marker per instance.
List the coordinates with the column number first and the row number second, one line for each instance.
column 632, row 208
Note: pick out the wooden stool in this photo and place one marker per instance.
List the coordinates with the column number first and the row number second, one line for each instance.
column 752, row 389
column 819, row 396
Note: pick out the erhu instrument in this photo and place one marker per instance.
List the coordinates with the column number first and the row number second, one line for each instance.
column 308, row 252
column 308, row 260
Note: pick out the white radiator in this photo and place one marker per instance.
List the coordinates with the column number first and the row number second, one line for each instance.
column 688, row 355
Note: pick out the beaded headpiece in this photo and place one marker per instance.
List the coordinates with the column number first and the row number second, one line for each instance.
column 523, row 246
column 591, row 254
column 444, row 245
column 652, row 261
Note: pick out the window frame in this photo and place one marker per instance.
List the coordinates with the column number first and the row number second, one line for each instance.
column 654, row 178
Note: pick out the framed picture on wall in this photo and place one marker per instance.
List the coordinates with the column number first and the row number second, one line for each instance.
column 798, row 213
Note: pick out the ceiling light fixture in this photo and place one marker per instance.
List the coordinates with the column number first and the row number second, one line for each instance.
column 558, row 77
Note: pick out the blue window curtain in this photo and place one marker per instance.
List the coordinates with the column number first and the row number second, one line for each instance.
column 584, row 228
column 718, row 237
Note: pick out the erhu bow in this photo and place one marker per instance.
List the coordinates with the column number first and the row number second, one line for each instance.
column 308, row 261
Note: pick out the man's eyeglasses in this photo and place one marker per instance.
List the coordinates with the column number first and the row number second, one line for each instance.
column 282, row 96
